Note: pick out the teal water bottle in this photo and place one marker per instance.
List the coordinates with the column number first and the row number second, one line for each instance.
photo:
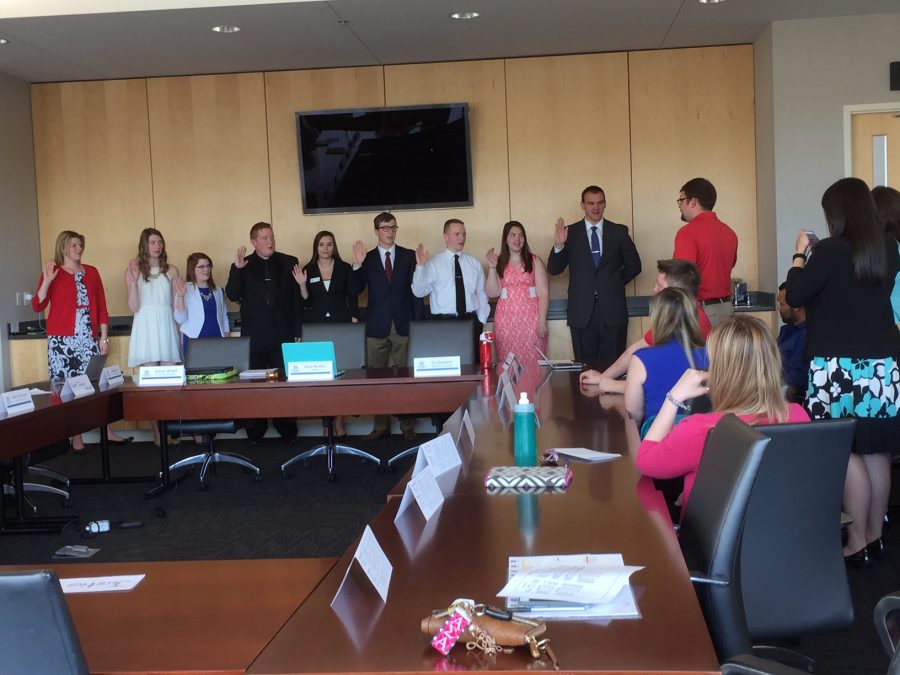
column 524, row 440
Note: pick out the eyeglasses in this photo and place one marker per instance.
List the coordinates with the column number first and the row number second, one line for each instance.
column 388, row 228
column 681, row 199
column 202, row 267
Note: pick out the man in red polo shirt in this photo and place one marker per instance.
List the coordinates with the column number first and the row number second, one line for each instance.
column 708, row 243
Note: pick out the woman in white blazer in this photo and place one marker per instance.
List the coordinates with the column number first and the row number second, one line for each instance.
column 199, row 305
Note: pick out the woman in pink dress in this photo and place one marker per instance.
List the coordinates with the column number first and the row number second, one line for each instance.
column 519, row 280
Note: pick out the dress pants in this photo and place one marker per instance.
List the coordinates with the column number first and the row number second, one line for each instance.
column 717, row 311
column 388, row 352
column 285, row 426
column 598, row 344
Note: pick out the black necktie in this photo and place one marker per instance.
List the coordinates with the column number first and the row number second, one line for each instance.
column 460, row 287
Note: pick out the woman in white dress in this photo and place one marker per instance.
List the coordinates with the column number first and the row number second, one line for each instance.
column 148, row 279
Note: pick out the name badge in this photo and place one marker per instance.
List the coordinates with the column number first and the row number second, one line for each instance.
column 76, row 387
column 308, row 371
column 111, row 377
column 17, row 402
column 315, row 280
column 532, row 292
column 436, row 366
column 161, row 375
column 503, row 294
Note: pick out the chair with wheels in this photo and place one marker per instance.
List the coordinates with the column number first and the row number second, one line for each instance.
column 350, row 351
column 710, row 533
column 32, row 465
column 793, row 575
column 36, row 630
column 440, row 337
column 210, row 354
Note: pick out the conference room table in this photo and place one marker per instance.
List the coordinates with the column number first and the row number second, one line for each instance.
column 463, row 551
column 205, row 616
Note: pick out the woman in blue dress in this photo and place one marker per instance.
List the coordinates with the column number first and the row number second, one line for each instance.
column 199, row 304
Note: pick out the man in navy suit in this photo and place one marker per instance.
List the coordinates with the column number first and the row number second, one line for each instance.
column 602, row 259
column 387, row 272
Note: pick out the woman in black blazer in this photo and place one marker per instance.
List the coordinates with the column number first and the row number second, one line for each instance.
column 325, row 286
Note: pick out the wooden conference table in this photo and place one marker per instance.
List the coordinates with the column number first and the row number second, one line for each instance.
column 463, row 552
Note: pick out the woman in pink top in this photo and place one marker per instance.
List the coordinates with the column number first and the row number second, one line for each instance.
column 744, row 378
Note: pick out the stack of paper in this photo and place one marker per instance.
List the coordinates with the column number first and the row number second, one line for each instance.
column 583, row 586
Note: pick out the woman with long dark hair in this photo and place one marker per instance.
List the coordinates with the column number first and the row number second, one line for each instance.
column 518, row 279
column 853, row 347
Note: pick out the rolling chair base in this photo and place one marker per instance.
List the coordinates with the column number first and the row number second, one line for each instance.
column 207, row 459
column 329, row 449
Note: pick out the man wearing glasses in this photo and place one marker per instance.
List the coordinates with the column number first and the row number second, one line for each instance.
column 602, row 259
column 708, row 243
column 387, row 272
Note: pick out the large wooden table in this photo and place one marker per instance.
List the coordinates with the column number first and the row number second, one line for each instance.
column 186, row 617
column 463, row 552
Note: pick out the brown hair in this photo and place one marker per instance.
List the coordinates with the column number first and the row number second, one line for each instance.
column 143, row 256
column 452, row 221
column 680, row 273
column 192, row 261
column 259, row 226
column 701, row 190
column 504, row 249
column 745, row 370
column 383, row 217
column 62, row 243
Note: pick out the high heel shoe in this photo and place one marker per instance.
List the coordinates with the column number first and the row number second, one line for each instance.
column 860, row 557
column 876, row 548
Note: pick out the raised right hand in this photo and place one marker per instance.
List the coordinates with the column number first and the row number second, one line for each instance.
column 50, row 271
column 359, row 252
column 421, row 255
column 492, row 258
column 178, row 285
column 132, row 272
column 560, row 233
column 299, row 275
column 239, row 260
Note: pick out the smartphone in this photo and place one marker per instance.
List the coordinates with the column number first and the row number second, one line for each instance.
column 813, row 237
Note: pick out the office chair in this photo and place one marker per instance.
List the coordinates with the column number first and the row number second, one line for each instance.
column 885, row 626
column 36, row 630
column 31, row 462
column 710, row 534
column 793, row 575
column 213, row 353
column 441, row 337
column 350, row 351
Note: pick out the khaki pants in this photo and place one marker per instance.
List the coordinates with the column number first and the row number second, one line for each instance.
column 718, row 311
column 388, row 352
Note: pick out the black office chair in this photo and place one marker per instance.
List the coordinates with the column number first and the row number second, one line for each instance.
column 710, row 534
column 32, row 462
column 350, row 351
column 793, row 575
column 36, row 630
column 211, row 353
column 441, row 337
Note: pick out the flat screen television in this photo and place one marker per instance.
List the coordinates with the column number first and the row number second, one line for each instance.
column 378, row 159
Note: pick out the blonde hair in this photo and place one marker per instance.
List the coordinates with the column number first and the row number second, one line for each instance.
column 673, row 315
column 62, row 243
column 745, row 370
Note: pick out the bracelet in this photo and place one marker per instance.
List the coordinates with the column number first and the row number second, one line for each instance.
column 104, row 340
column 678, row 404
column 801, row 256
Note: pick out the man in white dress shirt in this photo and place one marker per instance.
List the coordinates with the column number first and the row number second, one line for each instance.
column 454, row 280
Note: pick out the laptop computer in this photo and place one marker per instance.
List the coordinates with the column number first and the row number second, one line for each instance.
column 558, row 364
column 298, row 352
column 95, row 366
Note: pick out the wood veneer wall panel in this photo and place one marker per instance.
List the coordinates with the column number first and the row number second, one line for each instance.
column 692, row 115
column 481, row 85
column 210, row 164
column 92, row 161
column 568, row 128
column 863, row 127
column 303, row 90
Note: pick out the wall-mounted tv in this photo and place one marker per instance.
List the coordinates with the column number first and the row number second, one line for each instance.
column 377, row 159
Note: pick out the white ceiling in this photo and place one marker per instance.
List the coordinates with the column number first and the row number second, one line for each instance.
column 59, row 40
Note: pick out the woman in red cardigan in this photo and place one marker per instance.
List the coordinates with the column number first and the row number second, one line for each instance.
column 77, row 321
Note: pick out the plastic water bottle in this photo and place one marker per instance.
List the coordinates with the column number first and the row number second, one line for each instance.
column 524, row 440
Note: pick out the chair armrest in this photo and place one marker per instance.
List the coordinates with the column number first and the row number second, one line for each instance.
column 889, row 603
column 699, row 578
column 747, row 664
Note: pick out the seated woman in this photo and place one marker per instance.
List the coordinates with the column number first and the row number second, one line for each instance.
column 744, row 378
column 653, row 371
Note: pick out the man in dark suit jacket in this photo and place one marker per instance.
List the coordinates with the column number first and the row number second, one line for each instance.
column 271, row 310
column 601, row 258
column 387, row 272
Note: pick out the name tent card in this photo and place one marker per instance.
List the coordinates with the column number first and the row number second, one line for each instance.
column 374, row 563
column 513, row 366
column 310, row 371
column 76, row 387
column 424, row 490
column 111, row 377
column 161, row 375
column 509, row 397
column 17, row 402
column 439, row 454
column 501, row 383
column 436, row 366
column 467, row 423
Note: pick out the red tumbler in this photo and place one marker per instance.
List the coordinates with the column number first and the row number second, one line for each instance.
column 486, row 353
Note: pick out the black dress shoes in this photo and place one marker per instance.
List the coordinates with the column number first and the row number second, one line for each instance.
column 125, row 440
column 876, row 548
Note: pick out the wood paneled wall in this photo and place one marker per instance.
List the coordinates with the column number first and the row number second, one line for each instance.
column 203, row 158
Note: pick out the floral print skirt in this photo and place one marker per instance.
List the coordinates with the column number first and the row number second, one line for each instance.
column 867, row 389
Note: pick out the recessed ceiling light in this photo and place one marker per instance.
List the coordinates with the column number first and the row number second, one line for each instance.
column 226, row 29
column 4, row 41
column 463, row 16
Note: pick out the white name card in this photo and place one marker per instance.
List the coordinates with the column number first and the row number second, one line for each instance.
column 436, row 366
column 439, row 454
column 160, row 375
column 374, row 563
column 501, row 382
column 467, row 423
column 424, row 490
column 17, row 402
column 76, row 387
column 111, row 377
column 309, row 371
